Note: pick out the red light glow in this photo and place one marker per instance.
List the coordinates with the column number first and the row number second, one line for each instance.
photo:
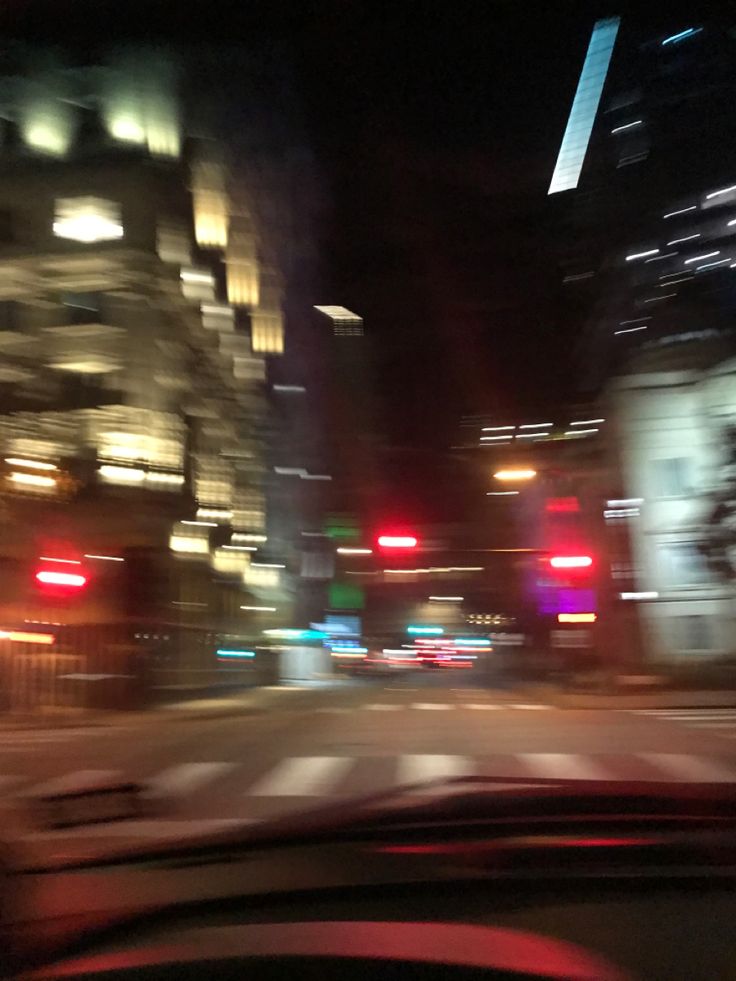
column 71, row 579
column 397, row 541
column 562, row 505
column 571, row 561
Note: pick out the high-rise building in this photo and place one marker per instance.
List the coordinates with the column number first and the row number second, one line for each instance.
column 147, row 248
column 644, row 188
column 645, row 225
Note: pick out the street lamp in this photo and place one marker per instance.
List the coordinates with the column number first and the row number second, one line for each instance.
column 513, row 475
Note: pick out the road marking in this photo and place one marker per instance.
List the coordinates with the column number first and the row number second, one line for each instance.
column 695, row 769
column 481, row 705
column 383, row 708
column 566, row 766
column 434, row 706
column 421, row 767
column 302, row 776
column 186, row 777
column 328, row 710
column 79, row 780
column 530, row 706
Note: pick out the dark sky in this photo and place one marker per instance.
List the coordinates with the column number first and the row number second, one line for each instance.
column 436, row 125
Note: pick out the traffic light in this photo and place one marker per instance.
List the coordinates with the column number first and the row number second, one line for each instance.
column 568, row 562
column 397, row 541
column 61, row 576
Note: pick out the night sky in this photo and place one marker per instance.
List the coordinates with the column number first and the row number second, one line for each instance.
column 436, row 126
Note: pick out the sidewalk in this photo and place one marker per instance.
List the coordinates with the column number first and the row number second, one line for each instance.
column 632, row 700
column 251, row 701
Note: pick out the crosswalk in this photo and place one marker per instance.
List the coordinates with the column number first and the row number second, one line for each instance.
column 197, row 795
column 719, row 722
column 434, row 707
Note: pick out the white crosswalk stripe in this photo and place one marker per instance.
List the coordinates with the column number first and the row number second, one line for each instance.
column 720, row 721
column 292, row 779
column 302, row 776
column 566, row 766
column 186, row 777
column 693, row 769
column 419, row 767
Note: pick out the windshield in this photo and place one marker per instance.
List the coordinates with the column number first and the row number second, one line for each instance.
column 367, row 405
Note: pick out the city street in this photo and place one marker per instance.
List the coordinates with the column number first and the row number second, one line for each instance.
column 328, row 744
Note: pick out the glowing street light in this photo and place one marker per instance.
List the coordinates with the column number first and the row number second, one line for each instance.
column 522, row 474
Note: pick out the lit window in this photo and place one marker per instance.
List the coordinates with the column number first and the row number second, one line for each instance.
column 673, row 477
column 242, row 267
column 267, row 332
column 87, row 219
column 682, row 565
column 693, row 633
column 210, row 204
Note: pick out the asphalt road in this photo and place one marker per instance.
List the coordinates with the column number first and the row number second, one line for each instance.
column 330, row 744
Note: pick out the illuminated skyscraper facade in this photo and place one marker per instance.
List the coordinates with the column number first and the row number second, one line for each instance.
column 142, row 303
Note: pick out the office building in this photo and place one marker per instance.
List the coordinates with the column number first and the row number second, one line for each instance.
column 144, row 283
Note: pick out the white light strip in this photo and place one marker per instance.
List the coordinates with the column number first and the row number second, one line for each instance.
column 495, row 429
column 705, row 255
column 709, row 265
column 625, row 502
column 641, row 255
column 580, row 432
column 682, row 211
column 104, row 558
column 16, row 461
column 488, row 439
column 584, row 107
column 639, row 596
column 658, row 258
column 723, row 190
column 629, row 330
column 687, row 238
column 447, row 599
column 586, row 422
column 537, row 425
column 620, row 129
column 501, row 493
column 260, row 609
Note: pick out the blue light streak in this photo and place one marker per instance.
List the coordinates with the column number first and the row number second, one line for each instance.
column 688, row 32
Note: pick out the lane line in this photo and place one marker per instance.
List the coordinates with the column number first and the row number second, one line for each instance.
column 186, row 777
column 432, row 706
column 568, row 766
column 531, row 706
column 383, row 708
column 302, row 776
column 417, row 768
column 695, row 769
column 481, row 705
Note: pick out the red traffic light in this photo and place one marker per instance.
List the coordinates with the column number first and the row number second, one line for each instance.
column 73, row 580
column 571, row 561
column 397, row 541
